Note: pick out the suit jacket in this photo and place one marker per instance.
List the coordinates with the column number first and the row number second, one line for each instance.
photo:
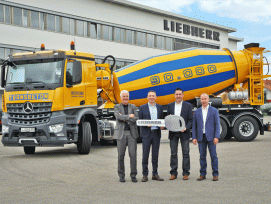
column 121, row 118
column 187, row 115
column 212, row 125
column 144, row 113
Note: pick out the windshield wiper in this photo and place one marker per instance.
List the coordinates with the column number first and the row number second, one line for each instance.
column 18, row 83
column 36, row 82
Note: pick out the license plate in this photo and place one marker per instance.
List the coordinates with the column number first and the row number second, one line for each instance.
column 27, row 129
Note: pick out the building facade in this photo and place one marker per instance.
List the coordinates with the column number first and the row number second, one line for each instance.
column 124, row 29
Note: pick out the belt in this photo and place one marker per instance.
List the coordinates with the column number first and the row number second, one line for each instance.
column 154, row 130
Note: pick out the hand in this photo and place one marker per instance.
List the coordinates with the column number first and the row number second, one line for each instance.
column 216, row 141
column 149, row 126
column 195, row 141
column 162, row 128
column 131, row 115
column 183, row 130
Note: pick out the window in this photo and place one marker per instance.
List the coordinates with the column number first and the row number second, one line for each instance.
column 2, row 53
column 42, row 21
column 150, row 40
column 72, row 23
column 110, row 33
column 1, row 13
column 168, row 43
column 7, row 52
column 58, row 24
column 99, row 31
column 65, row 25
column 50, row 24
column 122, row 34
column 17, row 16
column 7, row 14
column 92, row 31
column 117, row 34
column 129, row 36
column 159, row 42
column 34, row 23
column 134, row 37
column 25, row 18
column 79, row 28
column 85, row 28
column 105, row 32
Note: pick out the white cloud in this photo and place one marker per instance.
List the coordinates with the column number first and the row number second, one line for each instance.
column 247, row 10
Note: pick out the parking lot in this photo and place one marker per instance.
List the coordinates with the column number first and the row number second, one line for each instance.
column 60, row 175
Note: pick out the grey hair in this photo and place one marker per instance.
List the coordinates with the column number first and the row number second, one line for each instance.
column 204, row 94
column 124, row 91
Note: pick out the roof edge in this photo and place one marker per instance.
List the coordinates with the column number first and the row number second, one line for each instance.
column 235, row 39
column 168, row 14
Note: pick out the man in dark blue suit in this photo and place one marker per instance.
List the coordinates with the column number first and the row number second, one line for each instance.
column 150, row 135
column 206, row 131
column 184, row 109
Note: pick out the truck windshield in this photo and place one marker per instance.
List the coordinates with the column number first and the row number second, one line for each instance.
column 45, row 71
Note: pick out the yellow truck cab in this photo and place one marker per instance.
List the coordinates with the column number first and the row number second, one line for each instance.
column 50, row 99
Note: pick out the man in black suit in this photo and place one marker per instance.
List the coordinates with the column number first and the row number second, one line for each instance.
column 150, row 135
column 184, row 109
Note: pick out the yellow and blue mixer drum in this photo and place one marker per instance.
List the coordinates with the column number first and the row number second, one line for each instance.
column 193, row 70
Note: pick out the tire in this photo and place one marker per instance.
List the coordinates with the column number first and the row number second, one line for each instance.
column 29, row 150
column 223, row 129
column 245, row 129
column 84, row 138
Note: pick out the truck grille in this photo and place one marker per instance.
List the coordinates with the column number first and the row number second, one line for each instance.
column 41, row 113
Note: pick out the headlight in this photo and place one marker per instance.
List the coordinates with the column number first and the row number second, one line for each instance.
column 56, row 128
column 5, row 129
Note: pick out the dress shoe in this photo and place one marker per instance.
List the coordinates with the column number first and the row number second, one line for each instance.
column 145, row 179
column 201, row 178
column 122, row 179
column 134, row 179
column 215, row 178
column 173, row 177
column 185, row 177
column 157, row 178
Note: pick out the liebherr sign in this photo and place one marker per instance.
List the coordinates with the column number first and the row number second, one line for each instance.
column 191, row 30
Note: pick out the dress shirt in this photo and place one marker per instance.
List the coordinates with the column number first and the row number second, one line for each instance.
column 204, row 115
column 153, row 113
column 178, row 108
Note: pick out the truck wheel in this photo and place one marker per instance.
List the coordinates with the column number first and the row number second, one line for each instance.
column 223, row 129
column 245, row 129
column 84, row 138
column 29, row 150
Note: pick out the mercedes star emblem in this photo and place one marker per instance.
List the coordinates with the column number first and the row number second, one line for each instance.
column 28, row 107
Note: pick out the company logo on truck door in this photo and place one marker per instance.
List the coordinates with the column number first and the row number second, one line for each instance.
column 36, row 96
column 77, row 94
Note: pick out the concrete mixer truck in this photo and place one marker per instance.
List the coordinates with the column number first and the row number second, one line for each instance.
column 50, row 96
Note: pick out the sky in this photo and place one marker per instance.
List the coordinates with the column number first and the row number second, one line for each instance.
column 252, row 19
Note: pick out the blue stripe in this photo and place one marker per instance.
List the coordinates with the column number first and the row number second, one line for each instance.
column 185, row 85
column 170, row 53
column 174, row 65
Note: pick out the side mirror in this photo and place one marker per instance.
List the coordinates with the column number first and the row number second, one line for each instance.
column 3, row 73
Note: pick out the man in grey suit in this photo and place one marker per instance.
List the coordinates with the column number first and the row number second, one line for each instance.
column 126, row 133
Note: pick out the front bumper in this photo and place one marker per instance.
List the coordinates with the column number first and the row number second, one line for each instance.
column 42, row 136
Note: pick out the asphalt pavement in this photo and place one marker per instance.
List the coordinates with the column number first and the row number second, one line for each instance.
column 60, row 175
